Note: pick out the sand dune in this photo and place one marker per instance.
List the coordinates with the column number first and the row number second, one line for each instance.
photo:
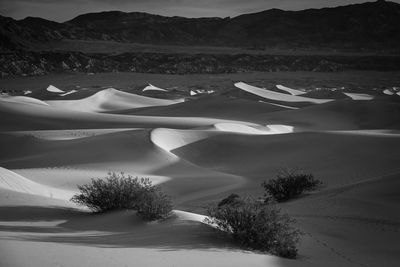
column 71, row 238
column 131, row 152
column 69, row 92
column 253, row 129
column 271, row 95
column 388, row 92
column 67, row 134
column 278, row 105
column 340, row 115
column 355, row 96
column 131, row 148
column 151, row 87
column 68, row 177
column 23, row 99
column 200, row 151
column 211, row 106
column 170, row 139
column 290, row 90
column 379, row 132
column 14, row 182
column 360, row 214
column 326, row 93
column 54, row 89
column 266, row 154
column 21, row 117
column 110, row 100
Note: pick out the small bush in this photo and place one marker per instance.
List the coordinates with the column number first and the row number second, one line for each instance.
column 232, row 200
column 258, row 226
column 154, row 205
column 289, row 184
column 117, row 191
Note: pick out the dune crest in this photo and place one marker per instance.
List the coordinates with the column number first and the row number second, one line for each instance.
column 170, row 139
column 388, row 92
column 355, row 96
column 54, row 89
column 110, row 100
column 258, row 130
column 151, row 87
column 290, row 90
column 69, row 92
column 268, row 94
column 23, row 99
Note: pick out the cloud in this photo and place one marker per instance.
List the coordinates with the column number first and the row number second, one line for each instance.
column 62, row 10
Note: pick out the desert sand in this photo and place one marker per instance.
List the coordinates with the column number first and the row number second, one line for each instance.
column 151, row 87
column 272, row 95
column 290, row 90
column 199, row 151
column 110, row 100
column 53, row 89
column 355, row 96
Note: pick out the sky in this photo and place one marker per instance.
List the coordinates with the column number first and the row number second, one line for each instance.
column 63, row 10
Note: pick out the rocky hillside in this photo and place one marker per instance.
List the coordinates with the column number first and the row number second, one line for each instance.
column 40, row 63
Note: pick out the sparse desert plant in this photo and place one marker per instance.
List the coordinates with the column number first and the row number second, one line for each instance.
column 118, row 191
column 257, row 225
column 289, row 184
column 232, row 200
column 154, row 205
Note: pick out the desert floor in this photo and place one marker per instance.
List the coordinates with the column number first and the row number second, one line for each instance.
column 199, row 148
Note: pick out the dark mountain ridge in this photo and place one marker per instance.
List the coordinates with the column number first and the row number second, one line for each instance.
column 354, row 37
column 374, row 25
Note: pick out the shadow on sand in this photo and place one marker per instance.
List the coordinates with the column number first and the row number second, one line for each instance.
column 115, row 229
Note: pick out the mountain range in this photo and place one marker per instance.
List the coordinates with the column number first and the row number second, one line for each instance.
column 371, row 25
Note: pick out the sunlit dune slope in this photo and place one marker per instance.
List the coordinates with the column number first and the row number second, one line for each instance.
column 23, row 99
column 110, row 100
column 272, row 95
column 290, row 90
column 14, row 182
column 210, row 106
column 64, row 164
column 22, row 116
column 358, row 96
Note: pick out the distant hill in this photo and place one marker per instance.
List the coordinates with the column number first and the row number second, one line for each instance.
column 372, row 25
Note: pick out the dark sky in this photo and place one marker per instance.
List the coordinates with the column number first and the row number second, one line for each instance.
column 62, row 10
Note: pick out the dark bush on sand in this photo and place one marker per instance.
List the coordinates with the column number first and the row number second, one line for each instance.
column 117, row 191
column 154, row 205
column 289, row 184
column 256, row 225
